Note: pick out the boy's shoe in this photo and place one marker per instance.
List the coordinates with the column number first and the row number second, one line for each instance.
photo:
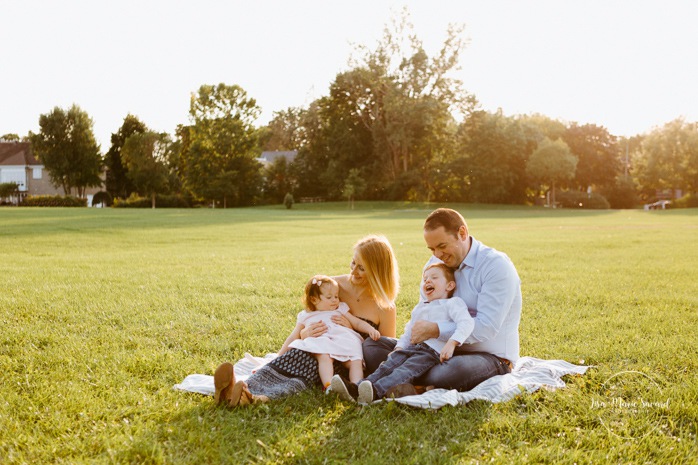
column 401, row 390
column 366, row 392
column 345, row 389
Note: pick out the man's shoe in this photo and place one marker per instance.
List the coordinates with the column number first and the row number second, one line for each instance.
column 366, row 392
column 345, row 389
column 401, row 390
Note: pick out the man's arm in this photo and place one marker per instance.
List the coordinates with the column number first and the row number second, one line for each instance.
column 500, row 287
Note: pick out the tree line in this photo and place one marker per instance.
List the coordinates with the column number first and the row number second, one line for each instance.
column 395, row 126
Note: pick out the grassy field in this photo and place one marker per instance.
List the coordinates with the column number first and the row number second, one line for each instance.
column 104, row 310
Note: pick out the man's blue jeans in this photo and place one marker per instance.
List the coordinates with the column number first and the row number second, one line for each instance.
column 462, row 372
column 403, row 366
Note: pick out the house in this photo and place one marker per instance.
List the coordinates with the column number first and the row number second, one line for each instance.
column 18, row 165
column 267, row 158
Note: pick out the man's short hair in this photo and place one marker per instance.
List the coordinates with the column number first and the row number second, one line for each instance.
column 449, row 219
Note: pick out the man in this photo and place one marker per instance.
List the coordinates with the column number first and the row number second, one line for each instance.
column 490, row 286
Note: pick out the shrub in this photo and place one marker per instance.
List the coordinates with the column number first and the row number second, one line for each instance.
column 579, row 199
column 103, row 198
column 53, row 201
column 687, row 201
column 161, row 201
column 623, row 194
column 288, row 200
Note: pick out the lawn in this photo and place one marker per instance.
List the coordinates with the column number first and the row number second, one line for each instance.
column 104, row 310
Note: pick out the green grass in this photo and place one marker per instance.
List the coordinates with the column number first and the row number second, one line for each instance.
column 103, row 311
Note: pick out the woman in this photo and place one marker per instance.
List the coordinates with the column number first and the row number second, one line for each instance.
column 369, row 290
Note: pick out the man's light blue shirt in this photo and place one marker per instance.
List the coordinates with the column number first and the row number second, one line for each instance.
column 490, row 286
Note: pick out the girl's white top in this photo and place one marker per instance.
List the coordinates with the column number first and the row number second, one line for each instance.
column 340, row 342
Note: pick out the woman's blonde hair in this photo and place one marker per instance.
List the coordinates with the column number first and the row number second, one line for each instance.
column 380, row 266
column 312, row 289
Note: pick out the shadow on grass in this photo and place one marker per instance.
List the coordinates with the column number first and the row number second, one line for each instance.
column 313, row 428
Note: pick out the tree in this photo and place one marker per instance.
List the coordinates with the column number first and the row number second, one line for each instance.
column 67, row 148
column 146, row 157
column 8, row 190
column 354, row 186
column 283, row 132
column 409, row 97
column 278, row 180
column 551, row 163
column 598, row 154
column 668, row 157
column 118, row 183
column 493, row 150
column 10, row 137
column 218, row 159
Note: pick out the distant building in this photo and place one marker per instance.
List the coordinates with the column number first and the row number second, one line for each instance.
column 18, row 165
column 267, row 158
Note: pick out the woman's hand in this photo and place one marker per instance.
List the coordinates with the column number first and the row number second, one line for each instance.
column 314, row 330
column 342, row 321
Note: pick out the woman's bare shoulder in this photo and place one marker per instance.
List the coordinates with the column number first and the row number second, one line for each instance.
column 342, row 280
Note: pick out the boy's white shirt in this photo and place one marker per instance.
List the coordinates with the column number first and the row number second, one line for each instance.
column 453, row 309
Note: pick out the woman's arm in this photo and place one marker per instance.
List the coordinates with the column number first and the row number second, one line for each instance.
column 360, row 325
column 388, row 322
column 295, row 334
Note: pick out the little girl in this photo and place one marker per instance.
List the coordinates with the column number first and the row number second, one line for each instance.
column 338, row 342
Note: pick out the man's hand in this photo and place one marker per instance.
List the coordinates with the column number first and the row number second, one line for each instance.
column 447, row 351
column 314, row 330
column 423, row 330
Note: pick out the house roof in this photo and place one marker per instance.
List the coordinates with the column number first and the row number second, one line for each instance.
column 17, row 153
column 270, row 156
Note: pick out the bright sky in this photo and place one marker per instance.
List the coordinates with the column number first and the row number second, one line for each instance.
column 626, row 65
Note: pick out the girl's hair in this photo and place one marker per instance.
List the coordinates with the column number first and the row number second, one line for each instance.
column 380, row 266
column 449, row 273
column 312, row 289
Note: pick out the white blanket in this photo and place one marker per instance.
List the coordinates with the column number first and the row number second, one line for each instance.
column 529, row 375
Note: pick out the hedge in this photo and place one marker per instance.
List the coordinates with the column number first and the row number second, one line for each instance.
column 687, row 201
column 579, row 199
column 161, row 201
column 53, row 201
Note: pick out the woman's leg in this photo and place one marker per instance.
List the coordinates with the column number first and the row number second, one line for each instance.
column 325, row 368
column 375, row 352
column 356, row 370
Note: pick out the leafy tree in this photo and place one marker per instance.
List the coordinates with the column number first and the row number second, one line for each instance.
column 493, row 153
column 411, row 95
column 598, row 154
column 623, row 194
column 8, row 189
column 668, row 157
column 217, row 160
column 67, row 148
column 283, row 132
column 278, row 180
column 118, row 184
column 146, row 157
column 10, row 137
column 551, row 163
column 354, row 186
